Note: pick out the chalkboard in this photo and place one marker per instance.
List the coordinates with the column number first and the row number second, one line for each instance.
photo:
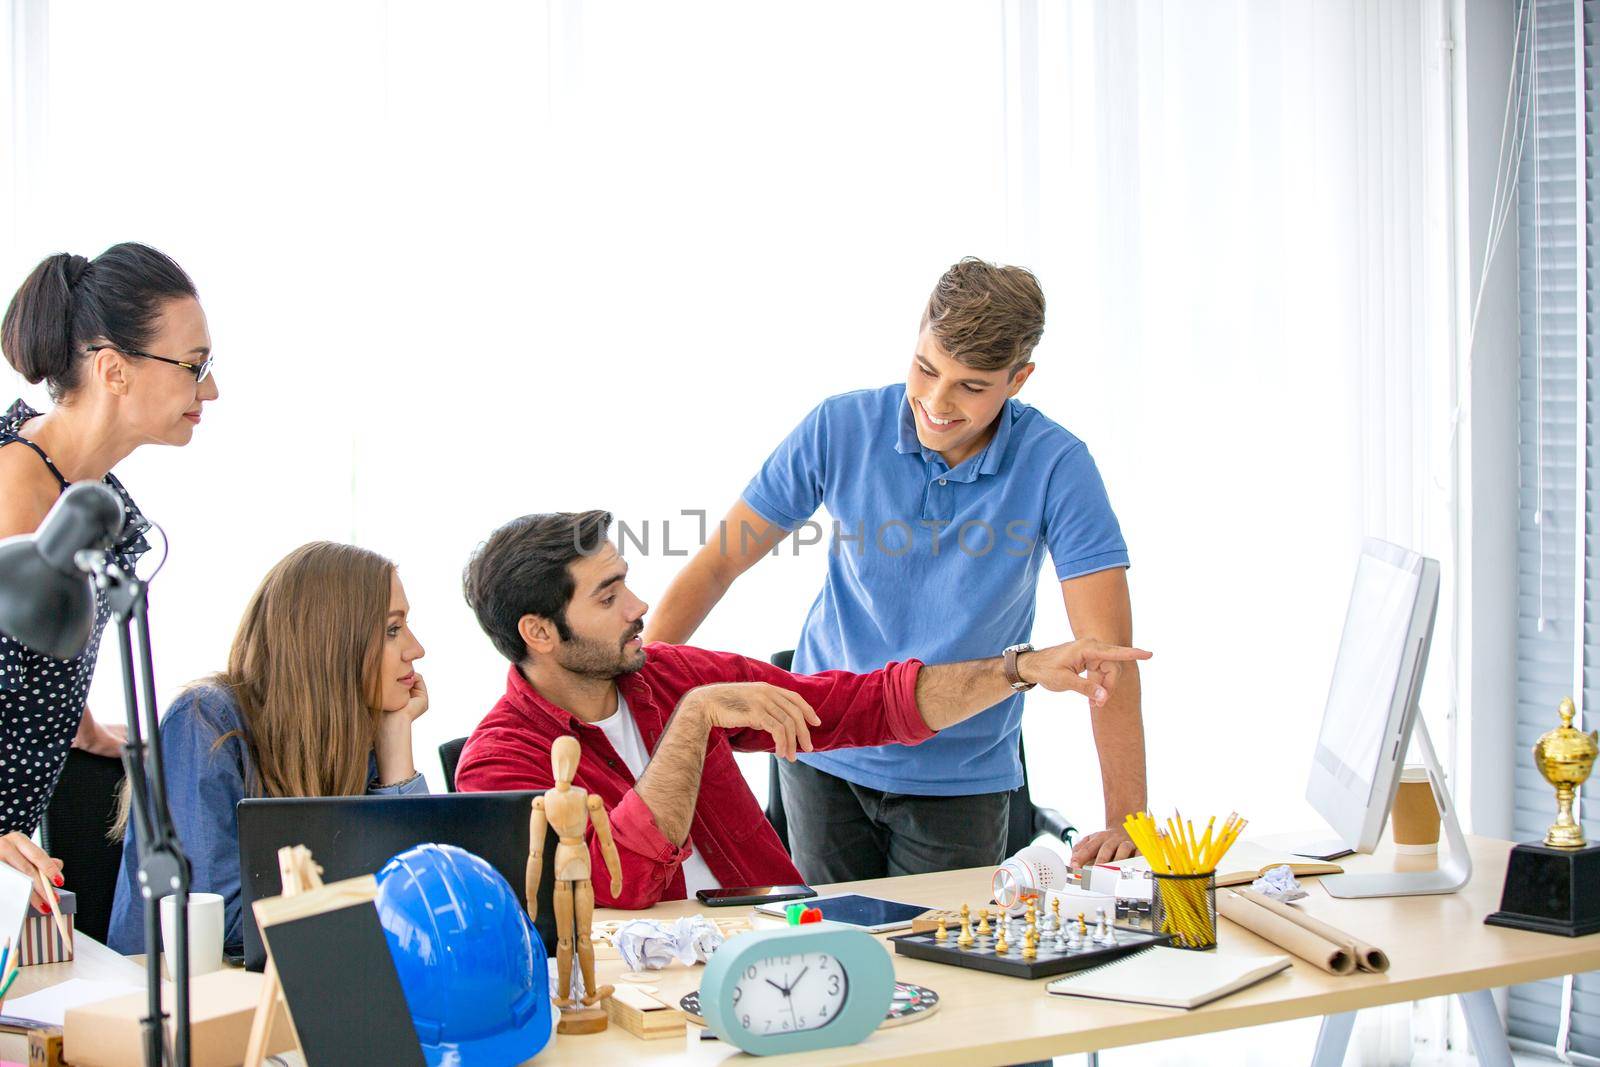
column 343, row 994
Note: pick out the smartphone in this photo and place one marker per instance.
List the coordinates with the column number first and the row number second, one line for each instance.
column 732, row 896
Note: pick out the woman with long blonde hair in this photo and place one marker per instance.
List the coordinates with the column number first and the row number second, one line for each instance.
column 318, row 700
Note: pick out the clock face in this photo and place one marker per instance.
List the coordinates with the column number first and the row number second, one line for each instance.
column 789, row 994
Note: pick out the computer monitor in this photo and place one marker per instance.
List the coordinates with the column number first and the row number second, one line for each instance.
column 1371, row 716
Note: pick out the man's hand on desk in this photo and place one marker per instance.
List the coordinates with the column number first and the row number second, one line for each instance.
column 1107, row 846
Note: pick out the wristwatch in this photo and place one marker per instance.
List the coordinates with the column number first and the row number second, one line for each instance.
column 1009, row 658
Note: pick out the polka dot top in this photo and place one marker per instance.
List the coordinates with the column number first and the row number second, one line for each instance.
column 42, row 698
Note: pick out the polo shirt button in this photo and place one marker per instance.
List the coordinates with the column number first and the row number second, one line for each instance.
column 941, row 481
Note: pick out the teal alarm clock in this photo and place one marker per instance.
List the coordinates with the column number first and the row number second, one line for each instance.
column 797, row 988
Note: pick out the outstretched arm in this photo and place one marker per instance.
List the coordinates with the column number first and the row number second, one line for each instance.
column 608, row 847
column 536, row 828
column 951, row 692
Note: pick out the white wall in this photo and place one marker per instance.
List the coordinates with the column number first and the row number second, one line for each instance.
column 462, row 266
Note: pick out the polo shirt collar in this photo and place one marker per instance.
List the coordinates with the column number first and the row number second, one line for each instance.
column 986, row 462
column 907, row 443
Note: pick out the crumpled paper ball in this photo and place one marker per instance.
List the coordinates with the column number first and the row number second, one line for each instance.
column 1279, row 883
column 651, row 944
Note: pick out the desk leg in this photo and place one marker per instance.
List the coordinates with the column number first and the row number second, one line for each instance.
column 1489, row 1043
column 1333, row 1039
column 1091, row 1059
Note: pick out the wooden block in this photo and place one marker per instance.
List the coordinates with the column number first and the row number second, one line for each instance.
column 928, row 921
column 643, row 1015
column 44, row 1048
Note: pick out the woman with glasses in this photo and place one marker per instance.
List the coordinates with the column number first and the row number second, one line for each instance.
column 121, row 343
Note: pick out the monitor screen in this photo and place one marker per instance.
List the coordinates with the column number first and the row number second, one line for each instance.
column 1366, row 673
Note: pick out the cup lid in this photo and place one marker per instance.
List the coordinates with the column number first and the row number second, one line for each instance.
column 1414, row 772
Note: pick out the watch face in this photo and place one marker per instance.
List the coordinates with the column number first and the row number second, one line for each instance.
column 789, row 994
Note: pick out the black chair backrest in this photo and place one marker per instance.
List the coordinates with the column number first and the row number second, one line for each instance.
column 74, row 829
column 775, row 814
column 450, row 756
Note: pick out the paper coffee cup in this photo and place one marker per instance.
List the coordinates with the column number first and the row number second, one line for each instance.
column 205, row 932
column 1414, row 821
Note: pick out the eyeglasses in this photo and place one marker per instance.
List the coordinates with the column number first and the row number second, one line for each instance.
column 199, row 370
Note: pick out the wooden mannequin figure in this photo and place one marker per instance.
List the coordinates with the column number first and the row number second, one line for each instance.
column 570, row 811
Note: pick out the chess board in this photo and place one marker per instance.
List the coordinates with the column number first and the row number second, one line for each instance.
column 1050, row 961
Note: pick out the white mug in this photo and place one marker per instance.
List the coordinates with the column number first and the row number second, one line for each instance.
column 205, row 932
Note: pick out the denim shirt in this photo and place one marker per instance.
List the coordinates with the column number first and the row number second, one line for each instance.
column 205, row 780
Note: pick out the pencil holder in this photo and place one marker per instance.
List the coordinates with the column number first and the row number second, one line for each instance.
column 1185, row 907
column 40, row 940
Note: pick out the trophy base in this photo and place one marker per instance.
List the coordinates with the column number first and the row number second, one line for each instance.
column 1551, row 891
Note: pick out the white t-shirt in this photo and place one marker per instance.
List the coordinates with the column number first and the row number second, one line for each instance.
column 623, row 733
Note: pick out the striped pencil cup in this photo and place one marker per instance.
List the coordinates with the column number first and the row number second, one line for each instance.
column 41, row 941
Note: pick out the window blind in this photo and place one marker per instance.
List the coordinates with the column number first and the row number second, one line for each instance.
column 1558, row 624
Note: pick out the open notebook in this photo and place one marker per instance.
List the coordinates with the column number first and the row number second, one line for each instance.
column 1169, row 977
column 1246, row 861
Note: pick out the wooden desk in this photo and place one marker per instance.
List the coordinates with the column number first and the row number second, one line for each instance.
column 1438, row 946
column 90, row 960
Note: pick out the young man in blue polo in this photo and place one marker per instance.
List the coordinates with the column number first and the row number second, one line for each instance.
column 946, row 494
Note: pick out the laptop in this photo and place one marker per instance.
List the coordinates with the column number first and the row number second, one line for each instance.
column 352, row 836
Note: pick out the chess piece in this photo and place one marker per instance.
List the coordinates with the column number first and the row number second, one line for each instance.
column 1055, row 912
column 571, row 811
column 1083, row 927
column 983, row 923
column 1001, row 947
column 941, row 935
column 1030, row 945
column 1553, row 886
column 965, row 940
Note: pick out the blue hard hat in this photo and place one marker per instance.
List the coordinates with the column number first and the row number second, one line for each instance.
column 474, row 971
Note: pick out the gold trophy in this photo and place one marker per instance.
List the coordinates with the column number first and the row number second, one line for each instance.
column 1554, row 886
column 1565, row 757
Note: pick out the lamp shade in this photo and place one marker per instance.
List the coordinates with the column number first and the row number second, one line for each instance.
column 46, row 601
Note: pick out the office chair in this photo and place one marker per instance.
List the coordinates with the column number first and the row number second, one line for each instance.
column 450, row 756
column 1028, row 821
column 76, row 822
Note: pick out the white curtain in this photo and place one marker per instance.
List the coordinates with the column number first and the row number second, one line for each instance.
column 465, row 264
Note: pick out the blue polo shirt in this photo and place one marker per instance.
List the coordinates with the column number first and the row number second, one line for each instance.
column 937, row 563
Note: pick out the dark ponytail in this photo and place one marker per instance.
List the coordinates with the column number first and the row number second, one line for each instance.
column 69, row 302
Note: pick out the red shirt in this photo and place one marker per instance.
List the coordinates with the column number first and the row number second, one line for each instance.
column 510, row 749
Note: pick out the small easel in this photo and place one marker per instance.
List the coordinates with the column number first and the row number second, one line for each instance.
column 299, row 875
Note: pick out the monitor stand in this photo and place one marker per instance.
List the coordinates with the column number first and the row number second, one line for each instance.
column 1455, row 864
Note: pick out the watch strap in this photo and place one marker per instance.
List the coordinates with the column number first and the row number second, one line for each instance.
column 1009, row 660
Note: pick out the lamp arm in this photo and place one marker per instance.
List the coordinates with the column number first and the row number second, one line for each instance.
column 163, row 868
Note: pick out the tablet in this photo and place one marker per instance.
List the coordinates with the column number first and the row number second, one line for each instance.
column 871, row 913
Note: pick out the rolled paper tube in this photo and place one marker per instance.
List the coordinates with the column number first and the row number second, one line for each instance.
column 1368, row 957
column 1287, row 935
